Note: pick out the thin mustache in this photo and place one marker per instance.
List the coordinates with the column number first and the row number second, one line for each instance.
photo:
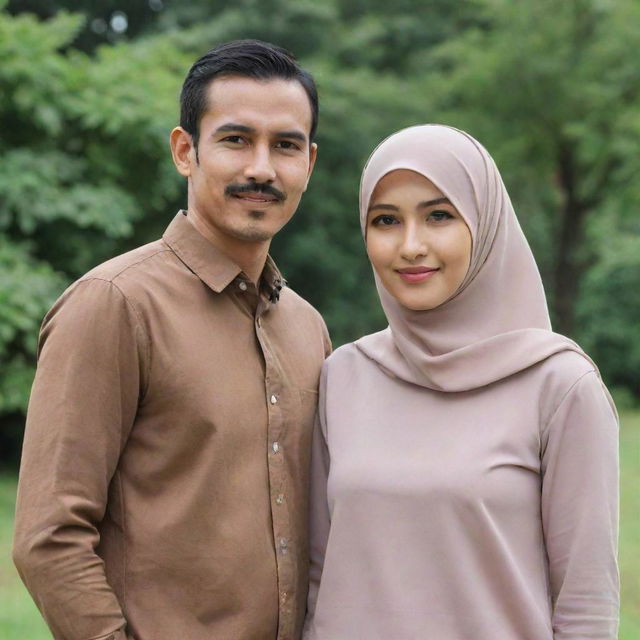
column 255, row 187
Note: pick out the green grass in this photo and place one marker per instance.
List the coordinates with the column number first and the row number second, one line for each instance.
column 20, row 620
column 630, row 524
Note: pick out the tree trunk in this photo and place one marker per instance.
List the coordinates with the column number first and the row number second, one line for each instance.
column 568, row 268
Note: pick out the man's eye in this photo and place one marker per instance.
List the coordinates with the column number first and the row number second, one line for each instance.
column 233, row 139
column 384, row 220
column 287, row 144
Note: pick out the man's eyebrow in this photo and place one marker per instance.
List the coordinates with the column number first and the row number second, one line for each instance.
column 293, row 135
column 426, row 203
column 231, row 127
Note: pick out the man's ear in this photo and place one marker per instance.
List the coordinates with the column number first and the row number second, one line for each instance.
column 181, row 145
column 313, row 154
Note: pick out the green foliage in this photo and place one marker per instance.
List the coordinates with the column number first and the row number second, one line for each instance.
column 609, row 310
column 52, row 185
column 141, row 17
column 27, row 290
column 388, row 36
column 83, row 146
column 550, row 88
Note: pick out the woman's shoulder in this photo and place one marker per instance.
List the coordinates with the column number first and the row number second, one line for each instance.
column 567, row 367
column 345, row 355
column 560, row 372
column 349, row 361
column 562, row 376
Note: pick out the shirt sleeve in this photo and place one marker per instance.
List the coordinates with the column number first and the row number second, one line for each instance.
column 83, row 403
column 580, row 512
column 320, row 520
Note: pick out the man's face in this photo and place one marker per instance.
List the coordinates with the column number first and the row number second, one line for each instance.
column 254, row 159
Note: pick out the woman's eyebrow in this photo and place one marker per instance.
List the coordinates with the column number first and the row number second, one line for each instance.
column 430, row 203
column 426, row 203
column 384, row 207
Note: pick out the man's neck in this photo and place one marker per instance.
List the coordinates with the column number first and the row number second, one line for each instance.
column 250, row 257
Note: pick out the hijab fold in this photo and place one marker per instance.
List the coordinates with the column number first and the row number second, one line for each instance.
column 497, row 322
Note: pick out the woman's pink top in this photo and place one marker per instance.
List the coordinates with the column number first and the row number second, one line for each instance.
column 488, row 514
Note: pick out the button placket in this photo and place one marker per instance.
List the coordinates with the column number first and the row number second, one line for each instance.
column 275, row 419
column 277, row 472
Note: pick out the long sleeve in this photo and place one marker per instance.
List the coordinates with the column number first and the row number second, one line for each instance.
column 82, row 407
column 319, row 509
column 580, row 512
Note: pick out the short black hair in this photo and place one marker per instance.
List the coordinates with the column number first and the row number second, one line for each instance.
column 246, row 58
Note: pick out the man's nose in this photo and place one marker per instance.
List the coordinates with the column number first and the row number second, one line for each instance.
column 260, row 167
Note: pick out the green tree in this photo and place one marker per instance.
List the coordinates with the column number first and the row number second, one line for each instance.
column 552, row 89
column 609, row 307
column 83, row 151
column 105, row 21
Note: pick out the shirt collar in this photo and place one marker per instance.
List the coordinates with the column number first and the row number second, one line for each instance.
column 210, row 264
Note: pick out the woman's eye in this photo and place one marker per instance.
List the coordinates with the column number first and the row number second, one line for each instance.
column 384, row 220
column 439, row 216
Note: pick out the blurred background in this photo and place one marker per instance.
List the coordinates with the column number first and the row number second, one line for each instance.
column 89, row 92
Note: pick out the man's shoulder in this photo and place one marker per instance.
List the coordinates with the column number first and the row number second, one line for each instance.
column 300, row 313
column 132, row 264
column 292, row 302
column 126, row 276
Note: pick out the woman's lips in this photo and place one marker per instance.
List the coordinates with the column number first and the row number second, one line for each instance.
column 416, row 274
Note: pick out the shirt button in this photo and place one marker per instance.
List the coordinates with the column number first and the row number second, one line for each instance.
column 273, row 399
column 275, row 446
column 284, row 545
column 280, row 498
column 259, row 322
column 242, row 286
column 283, row 596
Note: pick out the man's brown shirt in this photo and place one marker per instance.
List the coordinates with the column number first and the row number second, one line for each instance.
column 164, row 480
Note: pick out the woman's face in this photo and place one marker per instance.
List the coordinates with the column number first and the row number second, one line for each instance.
column 418, row 243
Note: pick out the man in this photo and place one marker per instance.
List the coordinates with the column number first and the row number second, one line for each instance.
column 163, row 487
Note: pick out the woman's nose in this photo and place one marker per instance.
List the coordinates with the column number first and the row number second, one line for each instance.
column 414, row 243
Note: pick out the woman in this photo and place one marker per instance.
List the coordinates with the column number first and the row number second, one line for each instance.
column 465, row 460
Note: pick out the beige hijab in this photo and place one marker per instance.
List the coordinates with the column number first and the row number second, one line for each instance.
column 497, row 323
